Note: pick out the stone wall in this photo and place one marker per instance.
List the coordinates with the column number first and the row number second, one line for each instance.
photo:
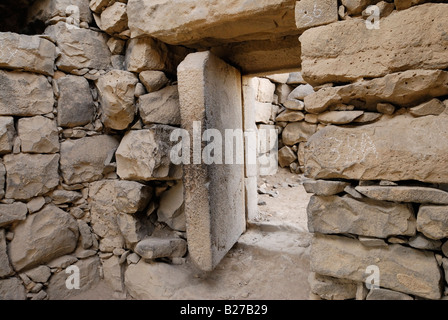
column 86, row 181
column 378, row 168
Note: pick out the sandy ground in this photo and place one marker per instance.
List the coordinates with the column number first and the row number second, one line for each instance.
column 271, row 260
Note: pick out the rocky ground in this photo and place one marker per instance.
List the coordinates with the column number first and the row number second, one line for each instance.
column 278, row 241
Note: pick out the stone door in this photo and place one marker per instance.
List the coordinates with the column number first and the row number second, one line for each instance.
column 210, row 95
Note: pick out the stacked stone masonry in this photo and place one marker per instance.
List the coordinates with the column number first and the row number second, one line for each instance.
column 88, row 104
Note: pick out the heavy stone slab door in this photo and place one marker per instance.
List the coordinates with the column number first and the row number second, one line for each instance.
column 211, row 98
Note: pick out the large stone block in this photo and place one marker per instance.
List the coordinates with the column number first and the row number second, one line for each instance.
column 30, row 175
column 312, row 13
column 38, row 135
column 210, row 93
column 160, row 107
column 5, row 267
column 368, row 152
column 108, row 199
column 402, row 89
column 80, row 48
column 211, row 22
column 432, row 221
column 84, row 160
column 145, row 155
column 401, row 268
column 378, row 219
column 334, row 53
column 14, row 212
column 75, row 104
column 12, row 289
column 114, row 18
column 89, row 271
column 116, row 91
column 7, row 134
column 29, row 53
column 148, row 54
column 24, row 94
column 42, row 237
column 405, row 194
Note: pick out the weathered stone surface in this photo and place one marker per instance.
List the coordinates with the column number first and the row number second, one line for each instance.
column 334, row 214
column 133, row 228
column 324, row 187
column 39, row 274
column 402, row 89
column 30, row 175
column 171, row 208
column 294, row 105
column 46, row 10
column 62, row 262
column 286, row 156
column 263, row 112
column 405, row 194
column 116, row 46
column 38, row 135
column 64, row 196
column 405, row 4
column 385, row 108
column 85, row 234
column 5, row 267
column 29, row 53
column 385, row 294
column 148, row 54
column 264, row 90
column 368, row 153
column 160, row 107
column 259, row 56
column 83, row 160
column 355, row 7
column 35, row 204
column 12, row 289
column 13, row 212
column 210, row 92
column 75, row 104
column 402, row 269
column 330, row 288
column 432, row 221
column 339, row 117
column 43, row 236
column 367, row 117
column 153, row 248
column 7, row 134
column 114, row 18
column 419, row 241
column 113, row 273
column 192, row 21
column 301, row 92
column 2, row 180
column 432, row 107
column 80, row 48
column 89, row 276
column 24, row 94
column 334, row 54
column 145, row 155
column 372, row 242
column 290, row 116
column 297, row 132
column 310, row 13
column 116, row 93
column 153, row 80
column 108, row 198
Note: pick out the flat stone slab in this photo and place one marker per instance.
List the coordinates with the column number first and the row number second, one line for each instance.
column 405, row 194
column 334, row 53
column 401, row 268
column 368, row 153
column 211, row 22
column 325, row 187
column 210, row 92
column 367, row 217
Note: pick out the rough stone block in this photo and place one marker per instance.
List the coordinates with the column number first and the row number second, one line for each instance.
column 210, row 93
column 161, row 107
column 312, row 13
column 38, row 135
column 29, row 53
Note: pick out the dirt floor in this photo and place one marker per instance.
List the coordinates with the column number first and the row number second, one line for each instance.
column 271, row 260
